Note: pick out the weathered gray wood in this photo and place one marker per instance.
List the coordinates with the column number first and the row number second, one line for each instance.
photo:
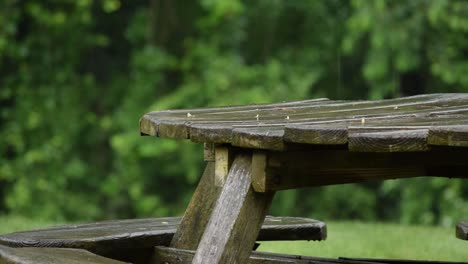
column 292, row 228
column 172, row 256
column 333, row 134
column 442, row 120
column 236, row 219
column 449, row 136
column 51, row 256
column 145, row 233
column 462, row 230
column 259, row 138
column 133, row 240
column 118, row 234
column 392, row 141
column 274, row 171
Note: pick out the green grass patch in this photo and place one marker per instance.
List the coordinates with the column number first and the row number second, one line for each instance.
column 376, row 240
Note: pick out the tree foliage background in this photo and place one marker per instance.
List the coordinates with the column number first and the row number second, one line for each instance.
column 76, row 76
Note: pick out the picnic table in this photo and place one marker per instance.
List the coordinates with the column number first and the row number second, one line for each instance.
column 253, row 151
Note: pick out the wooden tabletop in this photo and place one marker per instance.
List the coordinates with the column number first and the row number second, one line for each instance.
column 396, row 125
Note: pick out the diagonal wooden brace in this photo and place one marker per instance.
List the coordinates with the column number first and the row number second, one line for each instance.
column 236, row 219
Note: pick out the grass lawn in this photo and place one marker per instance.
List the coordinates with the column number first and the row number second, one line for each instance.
column 371, row 240
column 345, row 239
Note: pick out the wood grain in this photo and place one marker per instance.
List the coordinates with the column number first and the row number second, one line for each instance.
column 391, row 141
column 456, row 136
column 150, row 232
column 273, row 171
column 133, row 240
column 51, row 256
column 236, row 218
column 403, row 124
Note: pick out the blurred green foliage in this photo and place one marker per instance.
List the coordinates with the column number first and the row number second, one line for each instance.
column 75, row 77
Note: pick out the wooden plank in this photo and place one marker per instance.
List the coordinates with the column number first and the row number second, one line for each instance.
column 173, row 256
column 99, row 236
column 259, row 138
column 321, row 177
column 317, row 108
column 292, row 228
column 456, row 136
column 392, row 141
column 422, row 108
column 291, row 169
column 236, row 219
column 51, row 256
column 462, row 230
column 148, row 126
column 147, row 232
column 335, row 132
column 214, row 133
column 198, row 212
column 320, row 122
column 317, row 134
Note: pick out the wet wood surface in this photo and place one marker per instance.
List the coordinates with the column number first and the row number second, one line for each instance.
column 462, row 230
column 409, row 124
column 33, row 255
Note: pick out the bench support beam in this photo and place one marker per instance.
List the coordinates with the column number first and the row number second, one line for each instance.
column 273, row 171
column 236, row 218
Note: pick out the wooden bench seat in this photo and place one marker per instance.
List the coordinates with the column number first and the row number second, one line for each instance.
column 33, row 255
column 125, row 239
column 462, row 230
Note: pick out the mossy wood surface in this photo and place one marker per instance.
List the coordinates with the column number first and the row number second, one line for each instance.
column 406, row 124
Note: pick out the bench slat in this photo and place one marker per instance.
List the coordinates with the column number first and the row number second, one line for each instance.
column 51, row 256
column 141, row 233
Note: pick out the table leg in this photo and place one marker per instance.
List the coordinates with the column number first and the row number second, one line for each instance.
column 236, row 218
